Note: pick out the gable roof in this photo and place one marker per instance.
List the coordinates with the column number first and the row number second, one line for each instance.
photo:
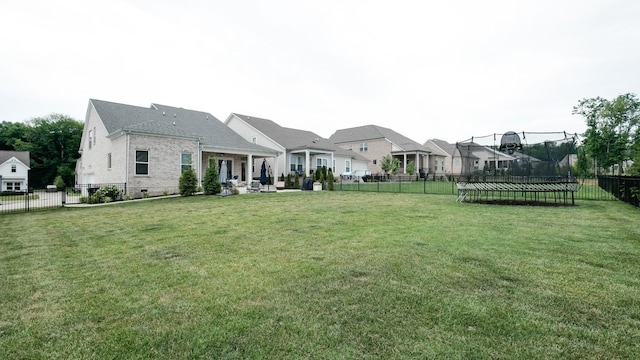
column 440, row 147
column 22, row 156
column 173, row 122
column 372, row 132
column 290, row 139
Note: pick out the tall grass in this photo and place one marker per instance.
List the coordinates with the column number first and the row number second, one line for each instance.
column 321, row 275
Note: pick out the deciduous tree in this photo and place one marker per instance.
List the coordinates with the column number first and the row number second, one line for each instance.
column 613, row 128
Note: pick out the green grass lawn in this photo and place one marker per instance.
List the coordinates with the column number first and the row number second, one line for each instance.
column 321, row 275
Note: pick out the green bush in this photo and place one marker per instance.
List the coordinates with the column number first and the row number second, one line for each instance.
column 58, row 182
column 330, row 180
column 211, row 182
column 188, row 183
column 106, row 194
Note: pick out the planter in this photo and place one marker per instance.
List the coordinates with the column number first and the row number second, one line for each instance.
column 317, row 186
column 241, row 189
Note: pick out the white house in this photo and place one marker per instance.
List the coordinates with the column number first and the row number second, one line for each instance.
column 300, row 151
column 14, row 171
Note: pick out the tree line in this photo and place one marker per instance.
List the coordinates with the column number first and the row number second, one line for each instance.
column 53, row 143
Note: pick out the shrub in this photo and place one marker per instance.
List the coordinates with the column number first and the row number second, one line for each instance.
column 330, row 180
column 58, row 182
column 110, row 191
column 188, row 183
column 211, row 182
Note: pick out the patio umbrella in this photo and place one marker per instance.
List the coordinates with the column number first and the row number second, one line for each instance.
column 223, row 172
column 263, row 172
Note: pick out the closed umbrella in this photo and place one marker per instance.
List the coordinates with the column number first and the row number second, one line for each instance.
column 263, row 173
column 223, row 172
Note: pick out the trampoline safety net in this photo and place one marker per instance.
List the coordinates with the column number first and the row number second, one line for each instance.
column 517, row 168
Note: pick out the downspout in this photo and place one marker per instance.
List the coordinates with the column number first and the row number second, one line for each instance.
column 200, row 158
column 126, row 176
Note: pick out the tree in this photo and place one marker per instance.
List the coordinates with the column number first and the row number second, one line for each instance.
column 411, row 167
column 613, row 128
column 12, row 133
column 330, row 180
column 52, row 142
column 211, row 182
column 188, row 183
column 389, row 165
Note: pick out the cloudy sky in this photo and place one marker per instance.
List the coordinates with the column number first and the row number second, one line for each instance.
column 427, row 69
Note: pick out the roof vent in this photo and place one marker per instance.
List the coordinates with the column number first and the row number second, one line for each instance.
column 163, row 113
column 174, row 123
column 174, row 115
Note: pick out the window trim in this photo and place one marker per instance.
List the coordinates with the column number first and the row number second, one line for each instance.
column 183, row 164
column 142, row 163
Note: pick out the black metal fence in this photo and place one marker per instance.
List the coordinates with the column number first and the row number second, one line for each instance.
column 624, row 188
column 589, row 188
column 37, row 200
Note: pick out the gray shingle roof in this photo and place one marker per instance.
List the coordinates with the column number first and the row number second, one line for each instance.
column 372, row 132
column 172, row 122
column 291, row 139
column 445, row 146
column 23, row 156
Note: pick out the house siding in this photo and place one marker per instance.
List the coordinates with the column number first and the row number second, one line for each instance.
column 93, row 169
column 21, row 175
column 376, row 150
column 248, row 133
column 164, row 163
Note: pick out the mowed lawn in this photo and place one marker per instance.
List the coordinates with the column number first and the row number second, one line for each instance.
column 321, row 275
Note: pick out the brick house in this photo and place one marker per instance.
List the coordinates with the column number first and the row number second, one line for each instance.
column 147, row 148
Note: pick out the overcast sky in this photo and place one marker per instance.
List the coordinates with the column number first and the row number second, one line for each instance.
column 426, row 69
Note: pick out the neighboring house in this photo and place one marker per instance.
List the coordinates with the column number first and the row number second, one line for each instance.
column 374, row 142
column 477, row 158
column 441, row 159
column 300, row 151
column 14, row 171
column 147, row 148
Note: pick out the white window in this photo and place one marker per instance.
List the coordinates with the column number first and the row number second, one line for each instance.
column 296, row 164
column 254, row 139
column 320, row 162
column 364, row 146
column 90, row 138
column 347, row 165
column 186, row 161
column 14, row 168
column 142, row 162
column 94, row 136
column 109, row 161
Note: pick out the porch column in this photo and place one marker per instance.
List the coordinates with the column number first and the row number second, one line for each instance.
column 250, row 168
column 417, row 167
column 307, row 160
column 404, row 163
column 275, row 167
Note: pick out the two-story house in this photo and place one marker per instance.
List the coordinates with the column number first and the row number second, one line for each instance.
column 375, row 142
column 14, row 171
